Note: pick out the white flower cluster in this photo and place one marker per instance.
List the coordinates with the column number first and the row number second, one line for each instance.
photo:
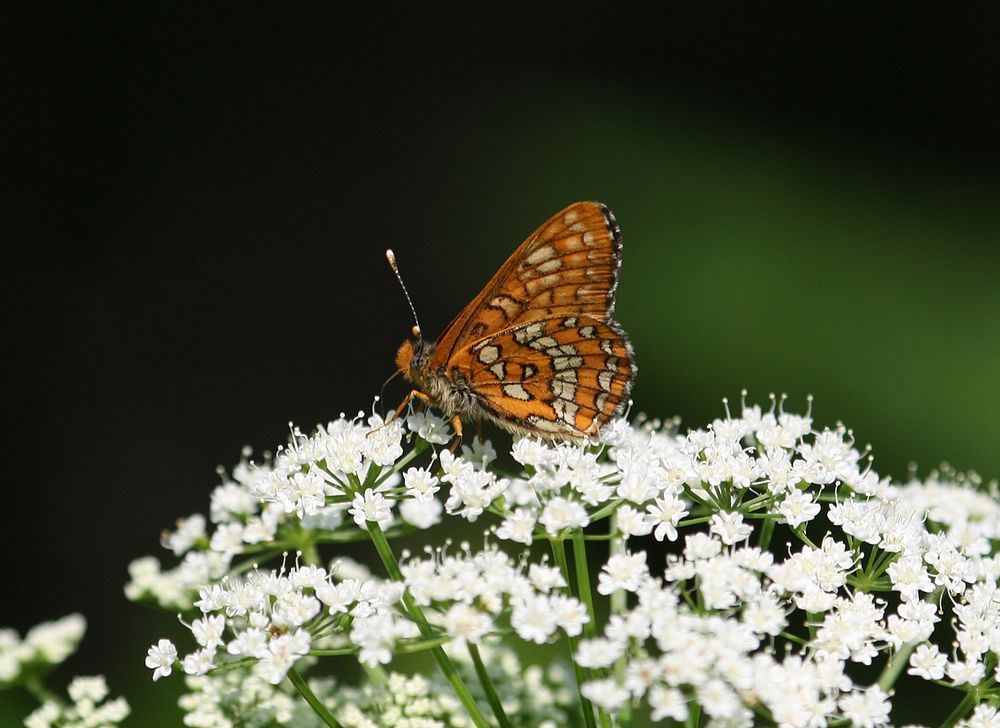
column 472, row 590
column 89, row 708
column 752, row 565
column 45, row 645
column 235, row 699
column 26, row 661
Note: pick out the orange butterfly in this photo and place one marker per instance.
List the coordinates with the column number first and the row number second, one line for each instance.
column 537, row 352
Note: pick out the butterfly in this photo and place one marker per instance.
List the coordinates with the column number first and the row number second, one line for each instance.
column 537, row 352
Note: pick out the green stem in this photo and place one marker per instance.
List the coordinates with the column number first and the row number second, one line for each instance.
column 334, row 652
column 587, row 597
column 310, row 697
column 413, row 609
column 895, row 666
column 41, row 693
column 694, row 715
column 960, row 711
column 583, row 581
column 487, row 683
column 766, row 531
column 559, row 555
column 376, row 675
column 619, row 605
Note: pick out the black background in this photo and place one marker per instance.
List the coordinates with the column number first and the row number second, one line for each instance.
column 198, row 200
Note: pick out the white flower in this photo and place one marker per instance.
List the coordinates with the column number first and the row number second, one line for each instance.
column 730, row 527
column 560, row 513
column 53, row 642
column 606, row 693
column 429, row 427
column 200, row 662
column 465, row 622
column 570, row 614
column 160, row 658
column 927, row 662
column 797, row 508
column 984, row 716
column 668, row 703
column 868, row 708
column 371, row 506
column 533, row 619
column 622, row 571
column 208, row 631
column 94, row 689
column 532, row 452
column 422, row 514
column 598, row 653
column 632, row 522
column 189, row 530
column 665, row 513
column 545, row 578
column 420, row 483
column 282, row 652
column 518, row 526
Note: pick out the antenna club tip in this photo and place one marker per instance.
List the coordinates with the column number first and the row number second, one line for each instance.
column 416, row 331
column 390, row 256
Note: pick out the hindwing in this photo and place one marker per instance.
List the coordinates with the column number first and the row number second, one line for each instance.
column 556, row 377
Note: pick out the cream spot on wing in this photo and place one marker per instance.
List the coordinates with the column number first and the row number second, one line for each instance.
column 537, row 286
column 570, row 217
column 550, row 266
column 606, row 347
column 600, row 400
column 566, row 410
column 541, row 255
column 570, row 322
column 516, row 391
column 529, row 371
column 567, row 362
column 489, row 354
column 508, row 305
column 566, row 375
column 498, row 370
column 611, row 363
column 588, row 332
column 604, row 380
column 544, row 342
column 529, row 333
column 588, row 238
column 577, row 227
column 563, row 390
column 543, row 425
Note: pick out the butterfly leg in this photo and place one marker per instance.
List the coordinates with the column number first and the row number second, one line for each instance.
column 456, row 424
column 406, row 400
column 402, row 405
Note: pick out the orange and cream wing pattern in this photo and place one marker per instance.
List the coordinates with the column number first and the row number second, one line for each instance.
column 568, row 267
column 555, row 377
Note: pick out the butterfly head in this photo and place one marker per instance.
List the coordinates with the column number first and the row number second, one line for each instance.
column 413, row 357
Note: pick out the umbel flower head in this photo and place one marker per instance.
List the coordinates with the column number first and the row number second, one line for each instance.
column 753, row 571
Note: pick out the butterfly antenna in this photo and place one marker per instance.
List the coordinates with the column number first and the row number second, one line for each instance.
column 391, row 257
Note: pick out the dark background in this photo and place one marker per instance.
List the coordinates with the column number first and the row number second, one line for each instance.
column 197, row 202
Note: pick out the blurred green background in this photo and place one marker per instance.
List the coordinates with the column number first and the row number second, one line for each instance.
column 809, row 204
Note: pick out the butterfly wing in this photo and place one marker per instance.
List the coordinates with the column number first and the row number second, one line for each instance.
column 558, row 377
column 568, row 267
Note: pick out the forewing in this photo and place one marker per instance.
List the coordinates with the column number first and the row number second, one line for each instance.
column 558, row 377
column 568, row 267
